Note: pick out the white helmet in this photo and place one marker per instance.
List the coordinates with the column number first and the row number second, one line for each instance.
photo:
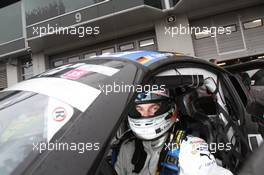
column 159, row 122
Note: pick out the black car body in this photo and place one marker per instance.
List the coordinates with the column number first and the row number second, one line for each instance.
column 75, row 107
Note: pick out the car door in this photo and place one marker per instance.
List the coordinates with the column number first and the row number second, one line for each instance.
column 252, row 76
column 248, row 79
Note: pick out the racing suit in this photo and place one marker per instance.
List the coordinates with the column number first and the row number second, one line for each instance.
column 193, row 158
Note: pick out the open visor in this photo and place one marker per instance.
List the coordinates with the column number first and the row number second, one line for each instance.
column 137, row 110
column 150, row 104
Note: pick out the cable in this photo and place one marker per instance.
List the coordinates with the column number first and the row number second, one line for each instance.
column 177, row 71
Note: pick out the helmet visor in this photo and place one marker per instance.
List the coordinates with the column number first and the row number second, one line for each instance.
column 149, row 110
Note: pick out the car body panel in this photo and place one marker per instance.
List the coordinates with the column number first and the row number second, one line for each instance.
column 100, row 121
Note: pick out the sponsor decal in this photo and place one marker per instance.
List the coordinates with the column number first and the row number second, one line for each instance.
column 143, row 57
column 143, row 60
column 59, row 114
column 75, row 74
column 88, row 68
column 60, row 69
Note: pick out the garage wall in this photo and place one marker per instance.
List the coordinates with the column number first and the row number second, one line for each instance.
column 229, row 43
column 174, row 42
column 141, row 41
column 12, row 74
column 241, row 42
column 254, row 37
column 204, row 47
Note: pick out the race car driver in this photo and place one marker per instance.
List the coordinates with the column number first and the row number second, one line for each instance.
column 159, row 147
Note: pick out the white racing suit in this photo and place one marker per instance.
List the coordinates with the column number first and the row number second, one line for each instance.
column 194, row 158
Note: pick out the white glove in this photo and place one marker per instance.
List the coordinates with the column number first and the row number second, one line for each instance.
column 195, row 159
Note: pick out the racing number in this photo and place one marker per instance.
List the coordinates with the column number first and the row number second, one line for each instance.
column 78, row 17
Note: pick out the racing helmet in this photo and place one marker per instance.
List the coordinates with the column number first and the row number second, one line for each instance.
column 152, row 114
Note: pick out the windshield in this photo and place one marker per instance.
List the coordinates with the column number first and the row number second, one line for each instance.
column 27, row 118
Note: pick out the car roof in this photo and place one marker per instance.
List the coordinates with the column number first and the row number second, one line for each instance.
column 151, row 60
column 145, row 58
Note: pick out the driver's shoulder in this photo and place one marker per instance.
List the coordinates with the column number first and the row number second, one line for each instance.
column 128, row 146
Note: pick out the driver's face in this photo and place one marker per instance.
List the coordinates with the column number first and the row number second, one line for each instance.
column 147, row 110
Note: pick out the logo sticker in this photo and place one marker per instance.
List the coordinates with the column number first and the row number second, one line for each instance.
column 143, row 60
column 59, row 114
column 75, row 74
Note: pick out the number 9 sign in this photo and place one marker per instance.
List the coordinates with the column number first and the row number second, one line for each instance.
column 78, row 17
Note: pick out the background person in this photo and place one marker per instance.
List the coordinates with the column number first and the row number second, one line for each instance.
column 214, row 61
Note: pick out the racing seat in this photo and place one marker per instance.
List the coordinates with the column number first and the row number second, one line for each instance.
column 195, row 113
column 204, row 120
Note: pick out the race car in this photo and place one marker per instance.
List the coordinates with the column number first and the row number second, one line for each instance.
column 70, row 120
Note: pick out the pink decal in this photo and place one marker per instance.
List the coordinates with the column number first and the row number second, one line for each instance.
column 75, row 74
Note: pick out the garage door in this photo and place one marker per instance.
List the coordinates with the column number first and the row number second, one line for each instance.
column 142, row 41
column 244, row 37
